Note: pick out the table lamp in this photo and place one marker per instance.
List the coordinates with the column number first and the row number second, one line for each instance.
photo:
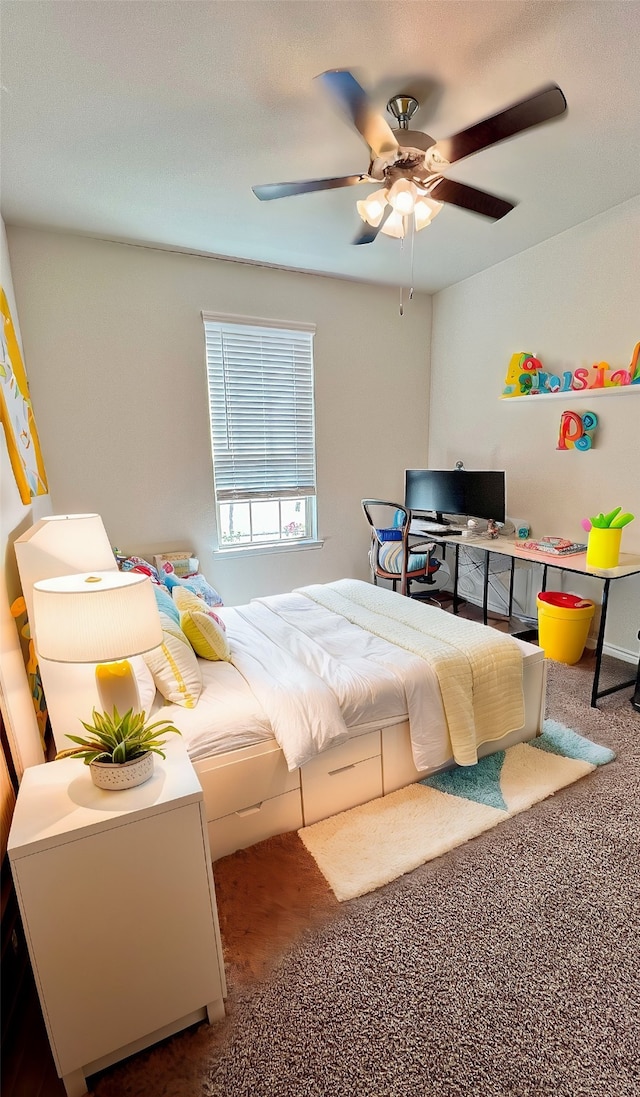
column 61, row 544
column 101, row 617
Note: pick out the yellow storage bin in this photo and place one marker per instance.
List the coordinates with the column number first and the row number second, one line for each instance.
column 563, row 625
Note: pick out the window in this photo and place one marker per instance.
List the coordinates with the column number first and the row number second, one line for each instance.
column 260, row 378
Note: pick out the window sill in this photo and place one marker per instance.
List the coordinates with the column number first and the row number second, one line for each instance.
column 264, row 550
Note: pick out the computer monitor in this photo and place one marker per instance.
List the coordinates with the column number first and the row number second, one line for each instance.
column 434, row 491
column 485, row 495
column 445, row 491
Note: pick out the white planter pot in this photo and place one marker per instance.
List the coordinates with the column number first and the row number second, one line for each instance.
column 108, row 775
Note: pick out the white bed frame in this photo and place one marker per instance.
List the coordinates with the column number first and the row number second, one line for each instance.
column 250, row 794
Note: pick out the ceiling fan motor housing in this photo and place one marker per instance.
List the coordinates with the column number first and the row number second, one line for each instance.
column 403, row 108
column 413, row 139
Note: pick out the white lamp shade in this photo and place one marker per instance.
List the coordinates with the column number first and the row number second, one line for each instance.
column 95, row 617
column 394, row 226
column 425, row 210
column 62, row 544
column 372, row 208
column 402, row 196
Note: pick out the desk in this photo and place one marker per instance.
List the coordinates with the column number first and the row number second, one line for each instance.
column 628, row 565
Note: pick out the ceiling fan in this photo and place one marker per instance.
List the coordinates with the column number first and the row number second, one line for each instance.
column 410, row 164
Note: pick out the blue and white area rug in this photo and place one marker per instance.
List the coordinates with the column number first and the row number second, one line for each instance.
column 368, row 846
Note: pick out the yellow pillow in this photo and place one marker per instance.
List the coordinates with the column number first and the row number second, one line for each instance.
column 205, row 634
column 203, row 628
column 186, row 599
column 174, row 666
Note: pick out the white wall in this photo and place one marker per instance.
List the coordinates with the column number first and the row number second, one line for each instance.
column 572, row 300
column 114, row 341
column 15, row 517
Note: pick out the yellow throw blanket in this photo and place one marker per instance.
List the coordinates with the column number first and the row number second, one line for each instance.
column 479, row 669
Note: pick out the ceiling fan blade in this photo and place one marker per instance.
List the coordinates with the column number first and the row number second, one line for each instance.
column 459, row 194
column 354, row 100
column 544, row 105
column 283, row 190
column 369, row 232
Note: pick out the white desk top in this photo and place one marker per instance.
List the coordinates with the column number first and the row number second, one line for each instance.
column 628, row 564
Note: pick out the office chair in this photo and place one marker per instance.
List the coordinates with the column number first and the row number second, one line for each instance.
column 390, row 555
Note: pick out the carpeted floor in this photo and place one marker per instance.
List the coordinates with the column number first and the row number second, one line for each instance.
column 509, row 967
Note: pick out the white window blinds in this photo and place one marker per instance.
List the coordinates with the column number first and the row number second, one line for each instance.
column 260, row 379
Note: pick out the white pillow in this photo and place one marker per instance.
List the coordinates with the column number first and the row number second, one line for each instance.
column 145, row 683
column 174, row 666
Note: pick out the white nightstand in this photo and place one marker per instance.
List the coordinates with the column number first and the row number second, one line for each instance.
column 117, row 900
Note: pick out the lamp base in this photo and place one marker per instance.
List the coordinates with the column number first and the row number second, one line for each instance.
column 117, row 687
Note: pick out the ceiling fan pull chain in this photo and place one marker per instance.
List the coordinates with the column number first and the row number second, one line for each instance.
column 412, row 231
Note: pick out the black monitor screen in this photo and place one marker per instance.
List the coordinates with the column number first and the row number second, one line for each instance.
column 444, row 491
column 434, row 490
column 484, row 495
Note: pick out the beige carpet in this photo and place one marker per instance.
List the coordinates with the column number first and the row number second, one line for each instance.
column 508, row 967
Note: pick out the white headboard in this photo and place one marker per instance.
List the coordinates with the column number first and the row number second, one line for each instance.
column 64, row 544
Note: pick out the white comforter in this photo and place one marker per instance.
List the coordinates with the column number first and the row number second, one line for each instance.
column 312, row 666
column 328, row 658
column 317, row 675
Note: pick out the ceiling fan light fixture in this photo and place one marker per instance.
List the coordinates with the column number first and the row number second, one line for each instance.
column 372, row 208
column 425, row 210
column 394, row 225
column 402, row 196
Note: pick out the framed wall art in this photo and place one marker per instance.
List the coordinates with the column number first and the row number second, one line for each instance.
column 16, row 413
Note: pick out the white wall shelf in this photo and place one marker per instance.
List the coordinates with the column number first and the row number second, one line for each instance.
column 570, row 394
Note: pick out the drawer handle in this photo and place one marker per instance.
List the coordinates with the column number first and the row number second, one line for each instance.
column 332, row 772
column 250, row 811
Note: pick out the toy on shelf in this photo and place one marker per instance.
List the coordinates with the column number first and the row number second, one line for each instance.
column 526, row 376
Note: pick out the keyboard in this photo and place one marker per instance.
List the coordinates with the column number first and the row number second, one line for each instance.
column 443, row 531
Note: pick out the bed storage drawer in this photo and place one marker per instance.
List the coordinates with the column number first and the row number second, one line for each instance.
column 342, row 777
column 254, row 823
column 247, row 777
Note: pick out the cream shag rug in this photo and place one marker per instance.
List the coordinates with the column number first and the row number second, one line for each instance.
column 368, row 846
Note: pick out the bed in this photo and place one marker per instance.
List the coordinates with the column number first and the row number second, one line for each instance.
column 336, row 694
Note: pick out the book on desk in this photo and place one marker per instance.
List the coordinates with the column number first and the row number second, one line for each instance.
column 554, row 546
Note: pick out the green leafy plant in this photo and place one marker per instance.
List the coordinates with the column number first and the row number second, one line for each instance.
column 116, row 739
column 613, row 520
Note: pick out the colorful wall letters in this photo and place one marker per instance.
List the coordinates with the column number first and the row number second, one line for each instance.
column 526, row 376
column 576, row 431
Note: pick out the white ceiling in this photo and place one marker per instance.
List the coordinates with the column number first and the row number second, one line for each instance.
column 149, row 120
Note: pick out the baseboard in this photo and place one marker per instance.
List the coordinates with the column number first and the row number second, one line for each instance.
column 531, row 634
column 616, row 652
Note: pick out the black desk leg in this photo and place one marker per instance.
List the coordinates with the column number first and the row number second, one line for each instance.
column 544, row 577
column 456, row 600
column 600, row 644
column 485, row 596
column 513, row 567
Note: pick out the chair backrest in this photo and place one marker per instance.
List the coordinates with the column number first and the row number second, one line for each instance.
column 388, row 521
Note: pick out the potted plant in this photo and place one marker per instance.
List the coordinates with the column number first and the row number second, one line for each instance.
column 119, row 749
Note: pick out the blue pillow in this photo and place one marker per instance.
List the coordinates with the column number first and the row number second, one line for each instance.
column 166, row 603
column 197, row 584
